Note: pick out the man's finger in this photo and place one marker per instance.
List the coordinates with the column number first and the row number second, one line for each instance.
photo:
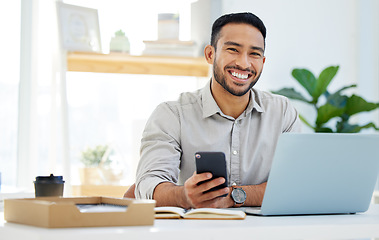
column 208, row 185
column 201, row 177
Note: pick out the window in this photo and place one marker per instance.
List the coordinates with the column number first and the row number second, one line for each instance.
column 99, row 105
column 113, row 108
column 9, row 67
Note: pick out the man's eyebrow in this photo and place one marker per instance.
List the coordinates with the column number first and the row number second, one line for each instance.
column 258, row 48
column 231, row 43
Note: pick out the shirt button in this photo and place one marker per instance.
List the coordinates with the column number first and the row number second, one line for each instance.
column 235, row 152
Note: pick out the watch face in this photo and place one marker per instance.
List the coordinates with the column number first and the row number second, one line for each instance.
column 239, row 195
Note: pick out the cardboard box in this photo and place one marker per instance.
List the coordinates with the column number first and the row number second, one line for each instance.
column 59, row 212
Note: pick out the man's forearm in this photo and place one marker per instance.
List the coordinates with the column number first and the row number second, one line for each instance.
column 254, row 194
column 169, row 194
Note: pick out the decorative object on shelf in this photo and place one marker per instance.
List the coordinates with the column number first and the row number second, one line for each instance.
column 79, row 28
column 119, row 43
column 336, row 105
column 99, row 167
column 168, row 26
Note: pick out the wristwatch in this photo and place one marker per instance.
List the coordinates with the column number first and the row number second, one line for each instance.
column 238, row 195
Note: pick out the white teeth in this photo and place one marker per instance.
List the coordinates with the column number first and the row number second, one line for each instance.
column 239, row 75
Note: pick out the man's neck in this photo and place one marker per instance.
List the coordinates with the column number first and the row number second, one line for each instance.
column 229, row 104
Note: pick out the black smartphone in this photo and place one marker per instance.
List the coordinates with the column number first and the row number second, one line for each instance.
column 213, row 162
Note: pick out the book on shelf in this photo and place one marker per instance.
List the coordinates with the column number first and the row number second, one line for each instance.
column 199, row 213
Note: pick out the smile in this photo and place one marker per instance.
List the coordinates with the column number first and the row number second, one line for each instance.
column 239, row 75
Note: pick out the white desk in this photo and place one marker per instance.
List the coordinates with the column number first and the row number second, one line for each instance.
column 11, row 192
column 359, row 226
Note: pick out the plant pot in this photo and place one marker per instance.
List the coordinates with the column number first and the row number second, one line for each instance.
column 100, row 175
column 90, row 175
column 111, row 175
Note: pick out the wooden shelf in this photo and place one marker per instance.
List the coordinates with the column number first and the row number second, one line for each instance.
column 124, row 63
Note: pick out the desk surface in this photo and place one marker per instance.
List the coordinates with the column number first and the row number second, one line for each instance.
column 358, row 226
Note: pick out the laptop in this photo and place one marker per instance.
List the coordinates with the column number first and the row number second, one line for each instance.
column 321, row 173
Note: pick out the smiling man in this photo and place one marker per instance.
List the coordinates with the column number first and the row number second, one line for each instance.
column 227, row 115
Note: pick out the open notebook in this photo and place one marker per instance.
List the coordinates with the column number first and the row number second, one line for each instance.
column 198, row 213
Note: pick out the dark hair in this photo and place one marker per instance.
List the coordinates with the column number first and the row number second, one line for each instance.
column 245, row 17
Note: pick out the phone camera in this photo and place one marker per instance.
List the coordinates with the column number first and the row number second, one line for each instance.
column 197, row 156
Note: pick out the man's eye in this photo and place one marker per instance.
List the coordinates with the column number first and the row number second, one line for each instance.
column 256, row 54
column 232, row 49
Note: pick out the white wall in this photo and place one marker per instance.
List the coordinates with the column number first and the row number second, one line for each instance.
column 315, row 34
column 368, row 62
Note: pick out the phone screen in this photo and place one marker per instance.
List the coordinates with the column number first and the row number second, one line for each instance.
column 213, row 162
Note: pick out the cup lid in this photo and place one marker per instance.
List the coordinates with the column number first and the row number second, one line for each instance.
column 49, row 179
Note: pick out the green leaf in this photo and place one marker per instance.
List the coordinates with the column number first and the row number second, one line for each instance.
column 356, row 104
column 326, row 76
column 291, row 93
column 344, row 127
column 306, row 79
column 93, row 156
column 347, row 87
column 323, row 130
column 327, row 112
column 337, row 100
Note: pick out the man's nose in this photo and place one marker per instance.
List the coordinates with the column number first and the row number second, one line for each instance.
column 243, row 61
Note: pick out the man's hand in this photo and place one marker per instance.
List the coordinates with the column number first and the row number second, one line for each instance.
column 197, row 196
column 192, row 195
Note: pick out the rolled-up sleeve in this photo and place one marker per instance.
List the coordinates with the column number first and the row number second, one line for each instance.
column 160, row 151
column 291, row 121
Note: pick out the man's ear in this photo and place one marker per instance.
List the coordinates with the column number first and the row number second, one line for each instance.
column 209, row 53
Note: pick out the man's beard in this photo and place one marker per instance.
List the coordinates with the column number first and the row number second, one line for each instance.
column 220, row 78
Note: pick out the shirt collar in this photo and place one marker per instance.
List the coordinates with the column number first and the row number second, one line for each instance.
column 210, row 106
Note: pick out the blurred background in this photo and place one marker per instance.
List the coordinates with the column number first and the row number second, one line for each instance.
column 51, row 118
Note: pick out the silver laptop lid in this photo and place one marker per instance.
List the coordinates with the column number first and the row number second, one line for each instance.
column 322, row 173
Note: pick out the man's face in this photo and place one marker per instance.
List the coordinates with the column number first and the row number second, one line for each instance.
column 239, row 58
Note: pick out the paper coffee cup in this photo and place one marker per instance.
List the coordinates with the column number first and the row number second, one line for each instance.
column 46, row 186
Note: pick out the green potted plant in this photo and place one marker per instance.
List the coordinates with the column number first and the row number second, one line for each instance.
column 93, row 157
column 119, row 43
column 329, row 105
column 98, row 168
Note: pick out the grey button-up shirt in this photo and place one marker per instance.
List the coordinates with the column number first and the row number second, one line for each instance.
column 177, row 130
